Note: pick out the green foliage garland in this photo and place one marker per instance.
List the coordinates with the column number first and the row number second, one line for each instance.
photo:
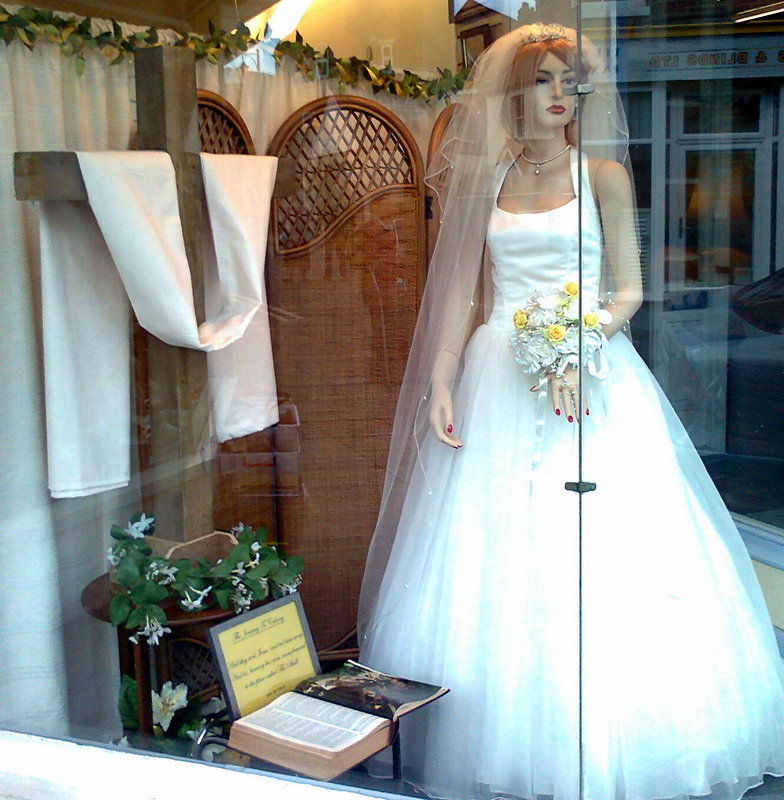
column 74, row 38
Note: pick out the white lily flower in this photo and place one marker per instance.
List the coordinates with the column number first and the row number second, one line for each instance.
column 167, row 703
column 136, row 530
column 152, row 629
column 193, row 603
column 255, row 547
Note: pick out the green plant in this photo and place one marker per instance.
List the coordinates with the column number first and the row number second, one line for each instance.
column 253, row 571
column 76, row 36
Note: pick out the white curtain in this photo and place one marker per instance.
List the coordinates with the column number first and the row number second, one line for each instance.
column 59, row 665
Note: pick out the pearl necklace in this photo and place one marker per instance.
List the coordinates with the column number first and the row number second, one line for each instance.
column 538, row 164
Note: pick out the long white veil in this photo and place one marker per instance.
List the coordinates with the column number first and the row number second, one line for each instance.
column 478, row 146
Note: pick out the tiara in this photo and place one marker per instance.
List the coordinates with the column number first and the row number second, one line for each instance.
column 542, row 33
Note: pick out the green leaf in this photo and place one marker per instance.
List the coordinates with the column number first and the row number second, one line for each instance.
column 222, row 596
column 137, row 618
column 24, row 38
column 223, row 570
column 240, row 552
column 297, row 563
column 148, row 592
column 268, row 565
column 80, row 65
column 284, row 575
column 128, row 704
column 152, row 36
column 119, row 609
column 128, row 572
column 116, row 29
column 157, row 613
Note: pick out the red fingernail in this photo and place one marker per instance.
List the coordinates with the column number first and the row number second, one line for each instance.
column 557, row 412
column 449, row 428
column 570, row 418
column 587, row 412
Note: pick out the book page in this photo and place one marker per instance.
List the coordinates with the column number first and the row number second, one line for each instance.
column 364, row 689
column 311, row 722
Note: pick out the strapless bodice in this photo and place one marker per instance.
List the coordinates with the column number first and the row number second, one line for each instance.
column 537, row 252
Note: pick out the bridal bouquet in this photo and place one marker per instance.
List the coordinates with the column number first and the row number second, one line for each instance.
column 546, row 334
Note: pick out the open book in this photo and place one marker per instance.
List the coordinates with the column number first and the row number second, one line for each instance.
column 331, row 722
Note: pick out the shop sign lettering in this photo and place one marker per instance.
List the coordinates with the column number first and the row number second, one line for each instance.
column 715, row 58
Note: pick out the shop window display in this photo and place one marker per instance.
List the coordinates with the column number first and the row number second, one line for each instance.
column 553, row 616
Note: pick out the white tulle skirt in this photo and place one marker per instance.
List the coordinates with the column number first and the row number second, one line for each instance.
column 673, row 667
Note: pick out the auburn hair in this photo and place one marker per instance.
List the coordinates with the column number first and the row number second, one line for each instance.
column 525, row 65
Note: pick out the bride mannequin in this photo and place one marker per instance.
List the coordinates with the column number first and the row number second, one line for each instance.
column 611, row 647
column 542, row 157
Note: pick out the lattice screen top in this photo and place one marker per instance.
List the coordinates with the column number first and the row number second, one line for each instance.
column 221, row 128
column 342, row 154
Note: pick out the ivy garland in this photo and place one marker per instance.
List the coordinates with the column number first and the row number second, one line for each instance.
column 75, row 38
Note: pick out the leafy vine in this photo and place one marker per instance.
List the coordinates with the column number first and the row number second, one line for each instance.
column 75, row 38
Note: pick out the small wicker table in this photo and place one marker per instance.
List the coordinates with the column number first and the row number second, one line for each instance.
column 183, row 655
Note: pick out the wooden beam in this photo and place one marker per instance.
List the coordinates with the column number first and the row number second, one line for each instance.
column 55, row 175
column 48, row 175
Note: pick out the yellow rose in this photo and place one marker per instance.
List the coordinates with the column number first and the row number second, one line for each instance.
column 572, row 289
column 591, row 319
column 520, row 318
column 555, row 333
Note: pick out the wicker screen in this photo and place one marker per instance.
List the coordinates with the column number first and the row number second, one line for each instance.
column 221, row 128
column 344, row 282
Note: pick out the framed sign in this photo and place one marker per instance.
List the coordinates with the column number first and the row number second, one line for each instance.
column 263, row 653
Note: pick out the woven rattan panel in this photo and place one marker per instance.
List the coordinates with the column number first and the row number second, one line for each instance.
column 343, row 312
column 221, row 128
column 344, row 154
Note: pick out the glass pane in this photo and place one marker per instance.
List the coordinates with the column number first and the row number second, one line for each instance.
column 492, row 378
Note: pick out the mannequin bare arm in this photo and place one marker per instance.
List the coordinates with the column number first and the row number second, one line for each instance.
column 441, row 420
column 457, row 323
column 616, row 204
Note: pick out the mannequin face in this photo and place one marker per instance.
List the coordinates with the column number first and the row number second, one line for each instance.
column 552, row 109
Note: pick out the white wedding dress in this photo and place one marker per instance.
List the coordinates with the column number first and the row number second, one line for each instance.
column 681, row 678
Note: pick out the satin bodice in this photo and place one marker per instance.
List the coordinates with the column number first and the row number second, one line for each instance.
column 539, row 251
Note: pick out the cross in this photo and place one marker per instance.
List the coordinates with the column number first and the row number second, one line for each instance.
column 167, row 119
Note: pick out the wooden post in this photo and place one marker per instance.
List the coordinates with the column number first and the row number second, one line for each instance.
column 180, row 482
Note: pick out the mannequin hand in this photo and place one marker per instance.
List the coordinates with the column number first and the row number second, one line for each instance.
column 441, row 415
column 565, row 395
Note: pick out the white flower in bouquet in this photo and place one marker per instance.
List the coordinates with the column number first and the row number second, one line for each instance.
column 541, row 317
column 571, row 310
